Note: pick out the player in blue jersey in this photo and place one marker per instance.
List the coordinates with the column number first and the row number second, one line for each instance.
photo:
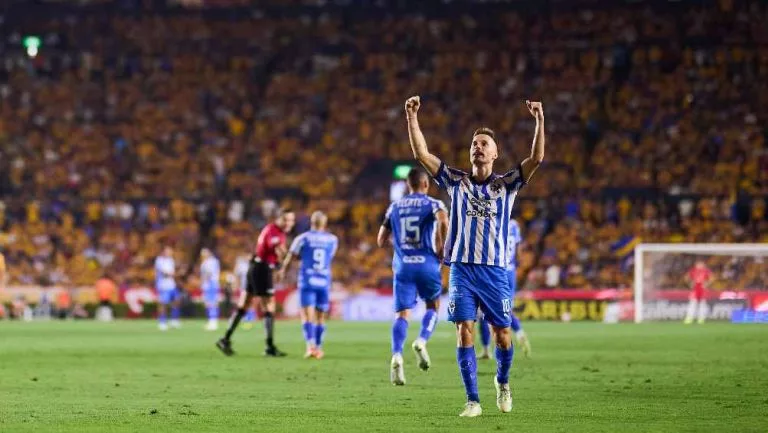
column 210, row 272
column 167, row 291
column 481, row 204
column 515, row 238
column 418, row 225
column 315, row 249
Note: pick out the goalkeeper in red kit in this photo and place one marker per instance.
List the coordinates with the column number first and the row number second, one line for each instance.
column 699, row 277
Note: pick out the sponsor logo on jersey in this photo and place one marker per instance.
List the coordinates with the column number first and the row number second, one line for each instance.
column 480, row 208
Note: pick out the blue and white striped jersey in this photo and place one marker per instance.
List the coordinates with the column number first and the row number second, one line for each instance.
column 210, row 271
column 316, row 250
column 165, row 269
column 412, row 221
column 515, row 237
column 480, row 215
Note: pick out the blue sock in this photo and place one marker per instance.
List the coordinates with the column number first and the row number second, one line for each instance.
column 319, row 331
column 161, row 317
column 485, row 332
column 516, row 327
column 213, row 313
column 309, row 331
column 428, row 323
column 250, row 315
column 503, row 363
column 465, row 356
column 399, row 332
column 175, row 313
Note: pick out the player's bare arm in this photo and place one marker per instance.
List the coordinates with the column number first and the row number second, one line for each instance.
column 383, row 236
column 418, row 143
column 280, row 274
column 442, row 230
column 530, row 164
column 281, row 250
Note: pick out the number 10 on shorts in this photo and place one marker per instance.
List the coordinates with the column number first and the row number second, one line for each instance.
column 506, row 305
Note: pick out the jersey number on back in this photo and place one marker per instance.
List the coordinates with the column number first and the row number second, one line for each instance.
column 318, row 255
column 409, row 227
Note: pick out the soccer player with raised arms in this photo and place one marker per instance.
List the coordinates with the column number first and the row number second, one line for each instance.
column 481, row 204
column 316, row 249
column 418, row 225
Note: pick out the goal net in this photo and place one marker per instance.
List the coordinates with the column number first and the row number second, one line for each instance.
column 662, row 285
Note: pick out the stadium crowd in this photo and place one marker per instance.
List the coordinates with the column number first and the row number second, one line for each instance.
column 131, row 131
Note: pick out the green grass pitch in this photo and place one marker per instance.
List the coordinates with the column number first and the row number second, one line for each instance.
column 584, row 377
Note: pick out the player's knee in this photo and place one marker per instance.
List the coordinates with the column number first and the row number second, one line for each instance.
column 465, row 334
column 433, row 304
column 502, row 337
column 403, row 314
column 320, row 316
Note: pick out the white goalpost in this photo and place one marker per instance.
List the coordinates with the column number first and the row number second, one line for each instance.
column 660, row 270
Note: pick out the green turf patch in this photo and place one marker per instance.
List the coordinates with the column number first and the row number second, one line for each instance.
column 584, row 377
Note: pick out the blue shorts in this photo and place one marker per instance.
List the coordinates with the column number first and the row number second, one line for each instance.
column 312, row 296
column 424, row 282
column 210, row 294
column 167, row 296
column 487, row 287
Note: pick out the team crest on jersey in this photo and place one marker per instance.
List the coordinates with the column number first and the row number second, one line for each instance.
column 496, row 186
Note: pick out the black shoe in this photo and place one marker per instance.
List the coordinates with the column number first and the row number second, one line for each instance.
column 225, row 346
column 274, row 352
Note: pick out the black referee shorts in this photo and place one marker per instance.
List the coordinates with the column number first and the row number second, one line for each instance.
column 259, row 279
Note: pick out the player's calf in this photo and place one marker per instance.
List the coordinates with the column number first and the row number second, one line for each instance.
column 419, row 346
column 504, row 355
column 399, row 334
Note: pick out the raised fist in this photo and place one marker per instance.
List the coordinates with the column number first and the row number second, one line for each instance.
column 412, row 105
column 536, row 109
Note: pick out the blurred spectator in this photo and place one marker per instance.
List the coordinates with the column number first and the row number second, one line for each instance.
column 131, row 131
column 106, row 291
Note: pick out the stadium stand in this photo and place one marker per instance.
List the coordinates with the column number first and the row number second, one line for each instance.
column 135, row 128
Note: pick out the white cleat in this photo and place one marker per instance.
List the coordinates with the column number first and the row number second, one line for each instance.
column 175, row 324
column 162, row 326
column 212, row 325
column 422, row 356
column 397, row 374
column 471, row 410
column 503, row 396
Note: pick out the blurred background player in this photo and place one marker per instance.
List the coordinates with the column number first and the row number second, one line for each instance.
column 270, row 250
column 241, row 273
column 515, row 238
column 418, row 225
column 481, row 205
column 316, row 249
column 699, row 276
column 167, row 292
column 210, row 272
